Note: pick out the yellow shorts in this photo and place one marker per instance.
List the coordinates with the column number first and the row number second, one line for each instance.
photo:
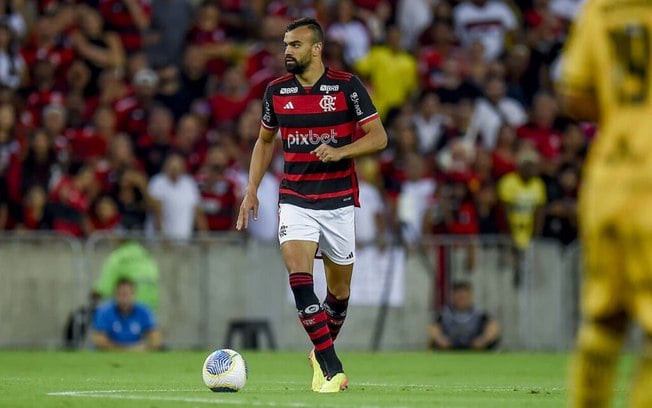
column 618, row 275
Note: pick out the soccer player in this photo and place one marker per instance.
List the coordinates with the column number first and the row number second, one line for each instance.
column 605, row 77
column 317, row 110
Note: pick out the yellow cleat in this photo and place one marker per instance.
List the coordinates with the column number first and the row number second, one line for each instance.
column 338, row 383
column 318, row 377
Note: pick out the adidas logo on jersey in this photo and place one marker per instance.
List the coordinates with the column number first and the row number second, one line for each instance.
column 289, row 105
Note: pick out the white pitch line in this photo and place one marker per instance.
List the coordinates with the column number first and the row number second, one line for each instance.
column 123, row 394
column 118, row 394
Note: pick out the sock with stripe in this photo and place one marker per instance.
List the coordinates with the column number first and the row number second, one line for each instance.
column 336, row 313
column 314, row 321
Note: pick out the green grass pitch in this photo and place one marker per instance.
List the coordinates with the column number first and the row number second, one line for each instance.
column 282, row 379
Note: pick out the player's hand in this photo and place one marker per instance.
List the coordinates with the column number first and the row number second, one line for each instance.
column 249, row 203
column 327, row 153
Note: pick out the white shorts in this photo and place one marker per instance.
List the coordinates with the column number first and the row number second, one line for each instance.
column 333, row 230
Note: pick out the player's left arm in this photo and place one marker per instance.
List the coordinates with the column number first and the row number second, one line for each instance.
column 364, row 111
column 374, row 139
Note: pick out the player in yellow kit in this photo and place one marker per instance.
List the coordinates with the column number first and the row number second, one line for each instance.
column 605, row 76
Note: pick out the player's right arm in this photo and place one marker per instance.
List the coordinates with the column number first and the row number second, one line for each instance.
column 261, row 157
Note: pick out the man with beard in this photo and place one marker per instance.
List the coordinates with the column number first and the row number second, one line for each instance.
column 317, row 111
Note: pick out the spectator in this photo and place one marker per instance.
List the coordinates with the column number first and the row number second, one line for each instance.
column 495, row 109
column 132, row 261
column 350, row 32
column 391, row 71
column 171, row 92
column 503, row 155
column 190, row 142
column 128, row 18
column 44, row 93
column 458, row 215
column 560, row 222
column 370, row 217
column 413, row 18
column 71, row 198
column 490, row 217
column 39, row 166
column 47, row 44
column 36, row 213
column 13, row 70
column 489, row 21
column 541, row 128
column 461, row 326
column 156, row 144
column 417, row 193
column 10, row 148
column 169, row 26
column 194, row 76
column 231, row 98
column 92, row 143
column 178, row 201
column 218, row 192
column 133, row 111
column 98, row 49
column 523, row 195
column 429, row 122
column 105, row 215
column 123, row 324
column 209, row 38
column 439, row 46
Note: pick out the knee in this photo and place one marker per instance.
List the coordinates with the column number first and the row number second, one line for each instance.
column 341, row 290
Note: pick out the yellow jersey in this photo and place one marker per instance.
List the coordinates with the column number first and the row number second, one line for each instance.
column 522, row 199
column 608, row 53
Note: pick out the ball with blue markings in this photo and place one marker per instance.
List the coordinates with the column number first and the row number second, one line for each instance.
column 225, row 370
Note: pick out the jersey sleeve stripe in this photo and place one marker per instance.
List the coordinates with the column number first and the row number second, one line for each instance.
column 267, row 127
column 368, row 118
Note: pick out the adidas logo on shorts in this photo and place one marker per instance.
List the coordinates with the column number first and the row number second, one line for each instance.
column 349, row 256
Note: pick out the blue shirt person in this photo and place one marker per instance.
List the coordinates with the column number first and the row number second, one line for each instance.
column 123, row 324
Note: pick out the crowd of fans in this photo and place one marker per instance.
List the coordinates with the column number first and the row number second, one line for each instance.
column 141, row 115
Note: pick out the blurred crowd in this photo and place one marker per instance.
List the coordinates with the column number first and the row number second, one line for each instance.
column 141, row 114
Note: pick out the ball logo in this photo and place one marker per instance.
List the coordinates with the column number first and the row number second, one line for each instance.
column 311, row 138
column 327, row 103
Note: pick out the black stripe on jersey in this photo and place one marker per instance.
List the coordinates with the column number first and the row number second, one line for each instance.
column 316, row 167
column 317, row 120
column 318, row 187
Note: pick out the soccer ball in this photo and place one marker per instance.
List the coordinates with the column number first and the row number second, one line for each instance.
column 225, row 370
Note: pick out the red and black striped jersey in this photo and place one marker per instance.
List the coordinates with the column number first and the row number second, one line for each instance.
column 328, row 112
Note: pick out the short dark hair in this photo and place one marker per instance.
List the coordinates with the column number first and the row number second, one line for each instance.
column 312, row 24
column 123, row 280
